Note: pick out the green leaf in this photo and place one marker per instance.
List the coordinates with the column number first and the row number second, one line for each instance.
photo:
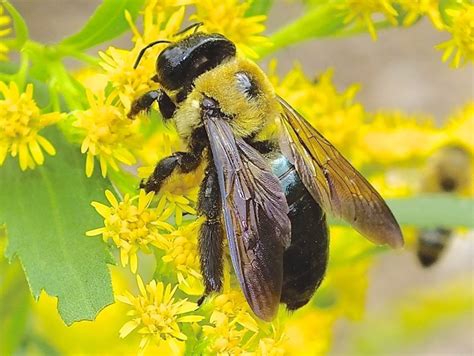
column 107, row 22
column 47, row 212
column 434, row 211
column 14, row 305
column 259, row 7
column 321, row 21
column 429, row 211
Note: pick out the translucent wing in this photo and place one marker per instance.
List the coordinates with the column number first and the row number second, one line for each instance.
column 334, row 183
column 255, row 215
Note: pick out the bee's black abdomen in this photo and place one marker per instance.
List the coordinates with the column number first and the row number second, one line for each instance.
column 305, row 261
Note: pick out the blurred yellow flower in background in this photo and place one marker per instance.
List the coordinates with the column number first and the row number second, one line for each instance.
column 363, row 11
column 394, row 137
column 157, row 315
column 244, row 31
column 417, row 8
column 5, row 30
column 461, row 27
column 20, row 122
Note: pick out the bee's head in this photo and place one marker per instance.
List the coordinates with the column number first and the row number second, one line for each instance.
column 183, row 61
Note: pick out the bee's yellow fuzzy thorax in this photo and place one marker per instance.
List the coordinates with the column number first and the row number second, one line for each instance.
column 249, row 115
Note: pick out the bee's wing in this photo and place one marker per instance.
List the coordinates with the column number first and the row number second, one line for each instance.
column 334, row 182
column 255, row 216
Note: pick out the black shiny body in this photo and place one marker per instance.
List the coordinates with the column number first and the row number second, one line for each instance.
column 305, row 261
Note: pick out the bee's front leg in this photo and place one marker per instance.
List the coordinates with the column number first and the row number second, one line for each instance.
column 144, row 103
column 211, row 234
column 184, row 162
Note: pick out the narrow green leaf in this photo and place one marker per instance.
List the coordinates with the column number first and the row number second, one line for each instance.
column 430, row 211
column 47, row 212
column 434, row 211
column 259, row 7
column 321, row 21
column 107, row 22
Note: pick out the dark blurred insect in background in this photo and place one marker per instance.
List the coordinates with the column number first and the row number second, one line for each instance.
column 270, row 176
column 449, row 171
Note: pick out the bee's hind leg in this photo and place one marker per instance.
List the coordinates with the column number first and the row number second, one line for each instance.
column 211, row 234
column 144, row 103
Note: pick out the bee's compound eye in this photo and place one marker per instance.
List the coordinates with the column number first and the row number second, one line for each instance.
column 247, row 85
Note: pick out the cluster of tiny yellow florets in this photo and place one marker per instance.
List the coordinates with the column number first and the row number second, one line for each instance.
column 158, row 315
column 461, row 27
column 20, row 123
column 458, row 21
column 131, row 224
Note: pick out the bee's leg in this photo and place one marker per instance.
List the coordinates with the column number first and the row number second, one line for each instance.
column 211, row 234
column 144, row 103
column 184, row 162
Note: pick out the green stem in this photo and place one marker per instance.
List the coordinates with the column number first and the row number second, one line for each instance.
column 321, row 21
column 21, row 29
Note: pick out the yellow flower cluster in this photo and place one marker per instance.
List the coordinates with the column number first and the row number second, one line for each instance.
column 108, row 134
column 461, row 27
column 244, row 31
column 417, row 8
column 157, row 315
column 181, row 257
column 362, row 11
column 131, row 224
column 20, row 122
column 5, row 30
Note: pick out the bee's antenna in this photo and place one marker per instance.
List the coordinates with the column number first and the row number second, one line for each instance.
column 190, row 27
column 143, row 50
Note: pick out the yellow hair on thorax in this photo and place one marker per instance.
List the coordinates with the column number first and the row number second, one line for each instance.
column 250, row 115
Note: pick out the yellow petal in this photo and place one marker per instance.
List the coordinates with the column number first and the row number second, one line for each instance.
column 128, row 328
column 89, row 165
column 111, row 198
column 47, row 146
column 95, row 232
column 36, row 152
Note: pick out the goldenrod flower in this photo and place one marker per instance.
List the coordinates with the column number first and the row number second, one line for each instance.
column 108, row 134
column 163, row 6
column 459, row 127
column 224, row 338
column 461, row 45
column 127, row 82
column 394, row 137
column 181, row 255
column 310, row 332
column 157, row 315
column 20, row 122
column 362, row 11
column 244, row 31
column 5, row 30
column 416, row 8
column 131, row 225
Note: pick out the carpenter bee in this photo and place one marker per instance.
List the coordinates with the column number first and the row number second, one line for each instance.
column 270, row 177
column 449, row 170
